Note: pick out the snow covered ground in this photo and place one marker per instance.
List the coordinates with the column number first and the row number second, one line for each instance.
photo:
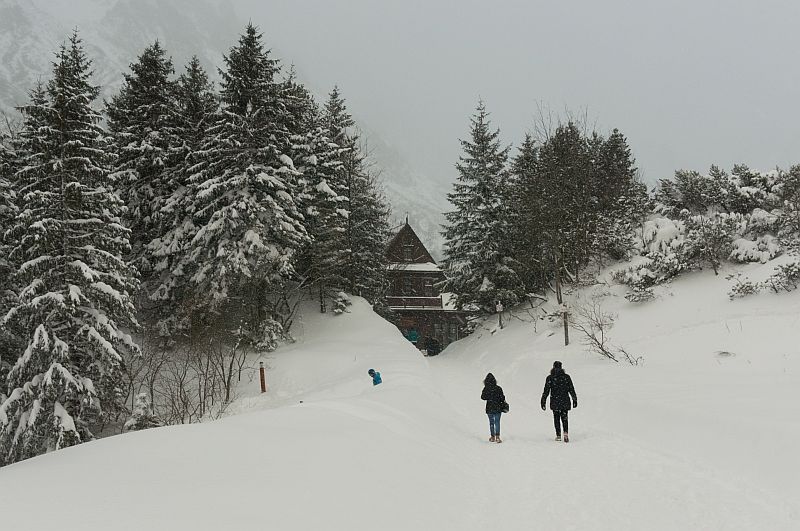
column 702, row 436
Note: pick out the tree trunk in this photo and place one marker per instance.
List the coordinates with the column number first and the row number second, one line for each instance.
column 322, row 307
column 560, row 299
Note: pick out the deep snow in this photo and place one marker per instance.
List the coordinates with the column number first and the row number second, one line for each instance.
column 692, row 439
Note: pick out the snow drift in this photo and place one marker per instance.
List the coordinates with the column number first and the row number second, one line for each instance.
column 701, row 436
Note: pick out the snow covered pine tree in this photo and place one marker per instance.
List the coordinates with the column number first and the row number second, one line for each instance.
column 249, row 226
column 142, row 120
column 8, row 211
column 323, row 261
column 478, row 261
column 75, row 287
column 197, row 110
column 367, row 227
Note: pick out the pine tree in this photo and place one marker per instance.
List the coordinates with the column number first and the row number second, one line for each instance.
column 478, row 260
column 528, row 210
column 367, row 224
column 75, row 287
column 249, row 226
column 565, row 175
column 621, row 199
column 142, row 119
column 323, row 261
column 367, row 232
column 197, row 111
column 8, row 211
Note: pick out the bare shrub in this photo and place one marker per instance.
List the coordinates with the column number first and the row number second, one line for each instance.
column 192, row 380
column 594, row 323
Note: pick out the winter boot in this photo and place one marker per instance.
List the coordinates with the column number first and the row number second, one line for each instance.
column 497, row 439
column 566, row 437
column 492, row 438
column 558, row 436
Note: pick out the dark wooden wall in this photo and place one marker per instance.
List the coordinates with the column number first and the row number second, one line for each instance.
column 407, row 247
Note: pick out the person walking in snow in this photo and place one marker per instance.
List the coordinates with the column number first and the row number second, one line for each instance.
column 495, row 402
column 559, row 386
column 376, row 376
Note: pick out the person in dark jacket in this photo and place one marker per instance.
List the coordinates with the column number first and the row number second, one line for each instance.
column 559, row 386
column 493, row 394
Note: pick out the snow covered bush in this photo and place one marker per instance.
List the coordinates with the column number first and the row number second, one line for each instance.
column 785, row 278
column 662, row 245
column 710, row 238
column 762, row 250
column 661, row 235
column 743, row 286
column 741, row 191
column 762, row 222
column 341, row 302
column 641, row 279
column 788, row 191
column 268, row 334
column 143, row 416
column 640, row 294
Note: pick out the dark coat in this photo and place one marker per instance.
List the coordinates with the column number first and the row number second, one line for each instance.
column 559, row 386
column 493, row 394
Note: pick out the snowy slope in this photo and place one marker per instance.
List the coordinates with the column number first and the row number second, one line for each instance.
column 690, row 440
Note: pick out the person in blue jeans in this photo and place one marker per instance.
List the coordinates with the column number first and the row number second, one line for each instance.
column 376, row 376
column 493, row 394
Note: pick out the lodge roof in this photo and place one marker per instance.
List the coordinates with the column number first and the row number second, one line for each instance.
column 405, row 235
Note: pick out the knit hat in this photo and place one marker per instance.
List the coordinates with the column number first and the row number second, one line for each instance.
column 556, row 364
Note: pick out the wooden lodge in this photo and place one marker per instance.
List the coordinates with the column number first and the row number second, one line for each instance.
column 422, row 313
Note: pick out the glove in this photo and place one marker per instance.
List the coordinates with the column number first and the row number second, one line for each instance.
column 575, row 404
column 543, row 408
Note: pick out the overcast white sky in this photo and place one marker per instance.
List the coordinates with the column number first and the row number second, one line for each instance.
column 690, row 82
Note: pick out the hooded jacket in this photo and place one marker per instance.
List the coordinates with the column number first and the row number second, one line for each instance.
column 376, row 378
column 559, row 386
column 493, row 394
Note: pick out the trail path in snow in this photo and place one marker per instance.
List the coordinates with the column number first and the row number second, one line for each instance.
column 600, row 480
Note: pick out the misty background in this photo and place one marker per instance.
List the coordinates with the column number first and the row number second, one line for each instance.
column 690, row 83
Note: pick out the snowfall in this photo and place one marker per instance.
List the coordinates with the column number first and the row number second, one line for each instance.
column 702, row 435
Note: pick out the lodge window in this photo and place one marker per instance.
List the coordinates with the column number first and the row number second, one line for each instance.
column 407, row 250
column 453, row 331
column 429, row 288
column 408, row 287
column 438, row 331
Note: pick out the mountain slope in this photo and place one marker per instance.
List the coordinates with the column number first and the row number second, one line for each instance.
column 115, row 32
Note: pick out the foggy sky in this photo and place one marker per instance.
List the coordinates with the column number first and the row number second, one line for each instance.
column 690, row 83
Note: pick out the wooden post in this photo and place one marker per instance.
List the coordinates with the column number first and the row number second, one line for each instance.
column 263, row 377
column 560, row 299
column 499, row 308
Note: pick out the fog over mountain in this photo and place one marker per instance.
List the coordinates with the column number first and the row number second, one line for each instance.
column 690, row 82
column 115, row 32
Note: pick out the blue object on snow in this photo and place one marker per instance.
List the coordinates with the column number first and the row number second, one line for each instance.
column 376, row 376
